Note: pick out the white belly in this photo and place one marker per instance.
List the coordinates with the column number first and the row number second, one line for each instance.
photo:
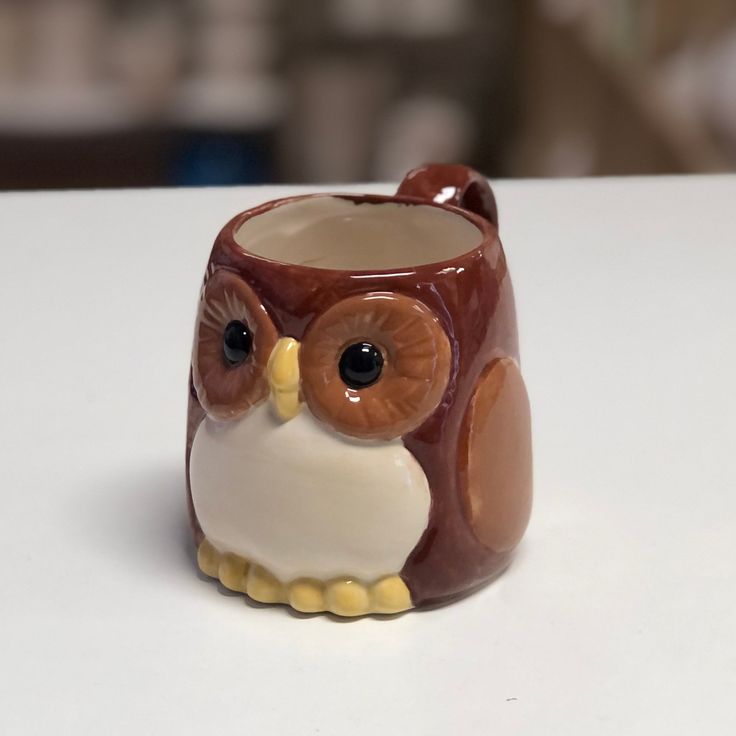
column 305, row 502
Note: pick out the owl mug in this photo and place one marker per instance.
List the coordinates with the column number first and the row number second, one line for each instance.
column 359, row 433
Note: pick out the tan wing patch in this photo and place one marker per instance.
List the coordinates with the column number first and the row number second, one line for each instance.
column 497, row 477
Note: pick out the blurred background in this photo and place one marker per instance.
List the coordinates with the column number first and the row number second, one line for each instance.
column 107, row 93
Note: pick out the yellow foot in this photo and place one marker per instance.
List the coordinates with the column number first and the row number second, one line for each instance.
column 232, row 572
column 342, row 596
column 307, row 596
column 208, row 559
column 348, row 598
column 263, row 587
column 390, row 595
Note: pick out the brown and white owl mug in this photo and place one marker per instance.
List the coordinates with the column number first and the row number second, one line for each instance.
column 359, row 433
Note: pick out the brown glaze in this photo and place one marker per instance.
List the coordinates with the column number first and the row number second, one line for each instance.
column 472, row 299
column 416, row 366
column 495, row 458
column 452, row 184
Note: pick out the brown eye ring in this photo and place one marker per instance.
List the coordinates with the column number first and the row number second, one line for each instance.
column 233, row 340
column 387, row 396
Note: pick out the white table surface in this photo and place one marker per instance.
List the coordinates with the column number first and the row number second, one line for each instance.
column 619, row 614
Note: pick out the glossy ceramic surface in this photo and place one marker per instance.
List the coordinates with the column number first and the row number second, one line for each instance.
column 359, row 438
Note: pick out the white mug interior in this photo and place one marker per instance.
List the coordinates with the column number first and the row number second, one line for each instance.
column 332, row 232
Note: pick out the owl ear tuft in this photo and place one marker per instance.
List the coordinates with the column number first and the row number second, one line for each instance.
column 453, row 184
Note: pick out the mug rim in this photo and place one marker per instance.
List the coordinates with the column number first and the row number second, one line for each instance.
column 487, row 229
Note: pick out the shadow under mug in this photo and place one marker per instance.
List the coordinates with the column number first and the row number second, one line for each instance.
column 390, row 322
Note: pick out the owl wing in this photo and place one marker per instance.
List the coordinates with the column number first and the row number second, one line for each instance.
column 495, row 457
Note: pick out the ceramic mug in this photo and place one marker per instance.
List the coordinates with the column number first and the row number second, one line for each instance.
column 359, row 433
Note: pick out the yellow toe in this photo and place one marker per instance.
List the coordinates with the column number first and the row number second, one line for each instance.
column 208, row 559
column 347, row 598
column 390, row 595
column 232, row 572
column 307, row 596
column 263, row 587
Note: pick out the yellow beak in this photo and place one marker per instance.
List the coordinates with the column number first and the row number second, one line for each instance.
column 283, row 377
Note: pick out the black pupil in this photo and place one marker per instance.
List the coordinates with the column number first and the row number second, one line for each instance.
column 237, row 342
column 360, row 365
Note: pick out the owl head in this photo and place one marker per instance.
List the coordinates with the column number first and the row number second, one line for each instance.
column 339, row 307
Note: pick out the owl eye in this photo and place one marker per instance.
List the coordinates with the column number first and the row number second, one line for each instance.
column 237, row 341
column 360, row 365
column 232, row 343
column 375, row 366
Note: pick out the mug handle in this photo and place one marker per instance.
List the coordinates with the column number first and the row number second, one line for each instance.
column 452, row 184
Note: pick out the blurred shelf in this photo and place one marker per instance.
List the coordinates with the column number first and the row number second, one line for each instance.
column 682, row 131
column 58, row 111
column 229, row 104
column 591, row 108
